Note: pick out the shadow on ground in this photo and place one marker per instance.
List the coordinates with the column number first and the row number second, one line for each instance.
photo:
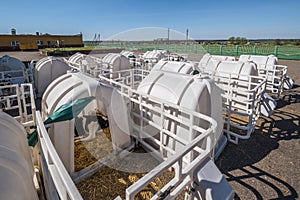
column 264, row 166
column 289, row 97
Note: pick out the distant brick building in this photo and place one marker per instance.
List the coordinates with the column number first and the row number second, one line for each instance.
column 10, row 42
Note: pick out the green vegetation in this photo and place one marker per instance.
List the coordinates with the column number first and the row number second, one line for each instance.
column 88, row 48
column 237, row 40
column 284, row 49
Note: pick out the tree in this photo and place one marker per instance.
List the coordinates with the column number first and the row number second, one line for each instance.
column 243, row 41
column 238, row 40
column 277, row 42
column 231, row 40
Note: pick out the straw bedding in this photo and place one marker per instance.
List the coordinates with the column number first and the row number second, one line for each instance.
column 113, row 179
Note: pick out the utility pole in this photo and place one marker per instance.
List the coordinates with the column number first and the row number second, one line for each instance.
column 168, row 38
column 186, row 39
column 98, row 39
column 187, row 36
column 95, row 39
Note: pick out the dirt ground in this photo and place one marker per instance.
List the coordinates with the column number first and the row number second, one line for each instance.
column 266, row 166
column 23, row 56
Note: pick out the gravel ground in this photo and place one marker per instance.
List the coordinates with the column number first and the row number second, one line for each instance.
column 267, row 165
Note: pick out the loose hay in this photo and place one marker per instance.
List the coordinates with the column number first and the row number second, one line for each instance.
column 113, row 179
column 87, row 153
column 109, row 182
column 237, row 119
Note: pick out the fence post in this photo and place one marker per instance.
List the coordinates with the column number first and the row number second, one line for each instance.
column 221, row 48
column 254, row 49
column 207, row 48
column 237, row 50
column 276, row 50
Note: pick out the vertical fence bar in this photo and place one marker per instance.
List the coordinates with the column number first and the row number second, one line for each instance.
column 254, row 49
column 276, row 51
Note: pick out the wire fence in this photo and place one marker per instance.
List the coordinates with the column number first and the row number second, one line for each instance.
column 282, row 52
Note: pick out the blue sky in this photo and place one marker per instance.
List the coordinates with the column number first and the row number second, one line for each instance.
column 205, row 19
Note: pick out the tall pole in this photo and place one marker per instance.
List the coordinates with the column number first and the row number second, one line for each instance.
column 168, row 38
column 186, row 39
column 187, row 36
column 98, row 38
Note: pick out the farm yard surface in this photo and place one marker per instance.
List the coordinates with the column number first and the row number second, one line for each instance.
column 266, row 166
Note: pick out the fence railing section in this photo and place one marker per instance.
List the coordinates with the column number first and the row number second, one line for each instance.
column 18, row 101
column 282, row 52
column 57, row 181
column 184, row 161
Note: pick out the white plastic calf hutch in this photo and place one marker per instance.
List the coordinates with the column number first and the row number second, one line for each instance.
column 208, row 57
column 16, row 170
column 150, row 58
column 243, row 96
column 130, row 55
column 12, row 71
column 77, row 58
column 169, row 112
column 268, row 68
column 199, row 95
column 73, row 86
column 46, row 70
column 241, row 88
column 85, row 63
column 174, row 66
column 154, row 55
column 113, row 62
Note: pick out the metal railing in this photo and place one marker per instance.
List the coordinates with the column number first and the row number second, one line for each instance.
column 19, row 100
column 12, row 77
column 57, row 181
column 242, row 97
column 190, row 156
column 185, row 161
column 275, row 76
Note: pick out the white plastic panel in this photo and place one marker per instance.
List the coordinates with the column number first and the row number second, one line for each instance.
column 46, row 71
column 108, row 101
column 16, row 170
column 173, row 66
column 116, row 62
column 208, row 58
column 77, row 58
column 12, row 71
